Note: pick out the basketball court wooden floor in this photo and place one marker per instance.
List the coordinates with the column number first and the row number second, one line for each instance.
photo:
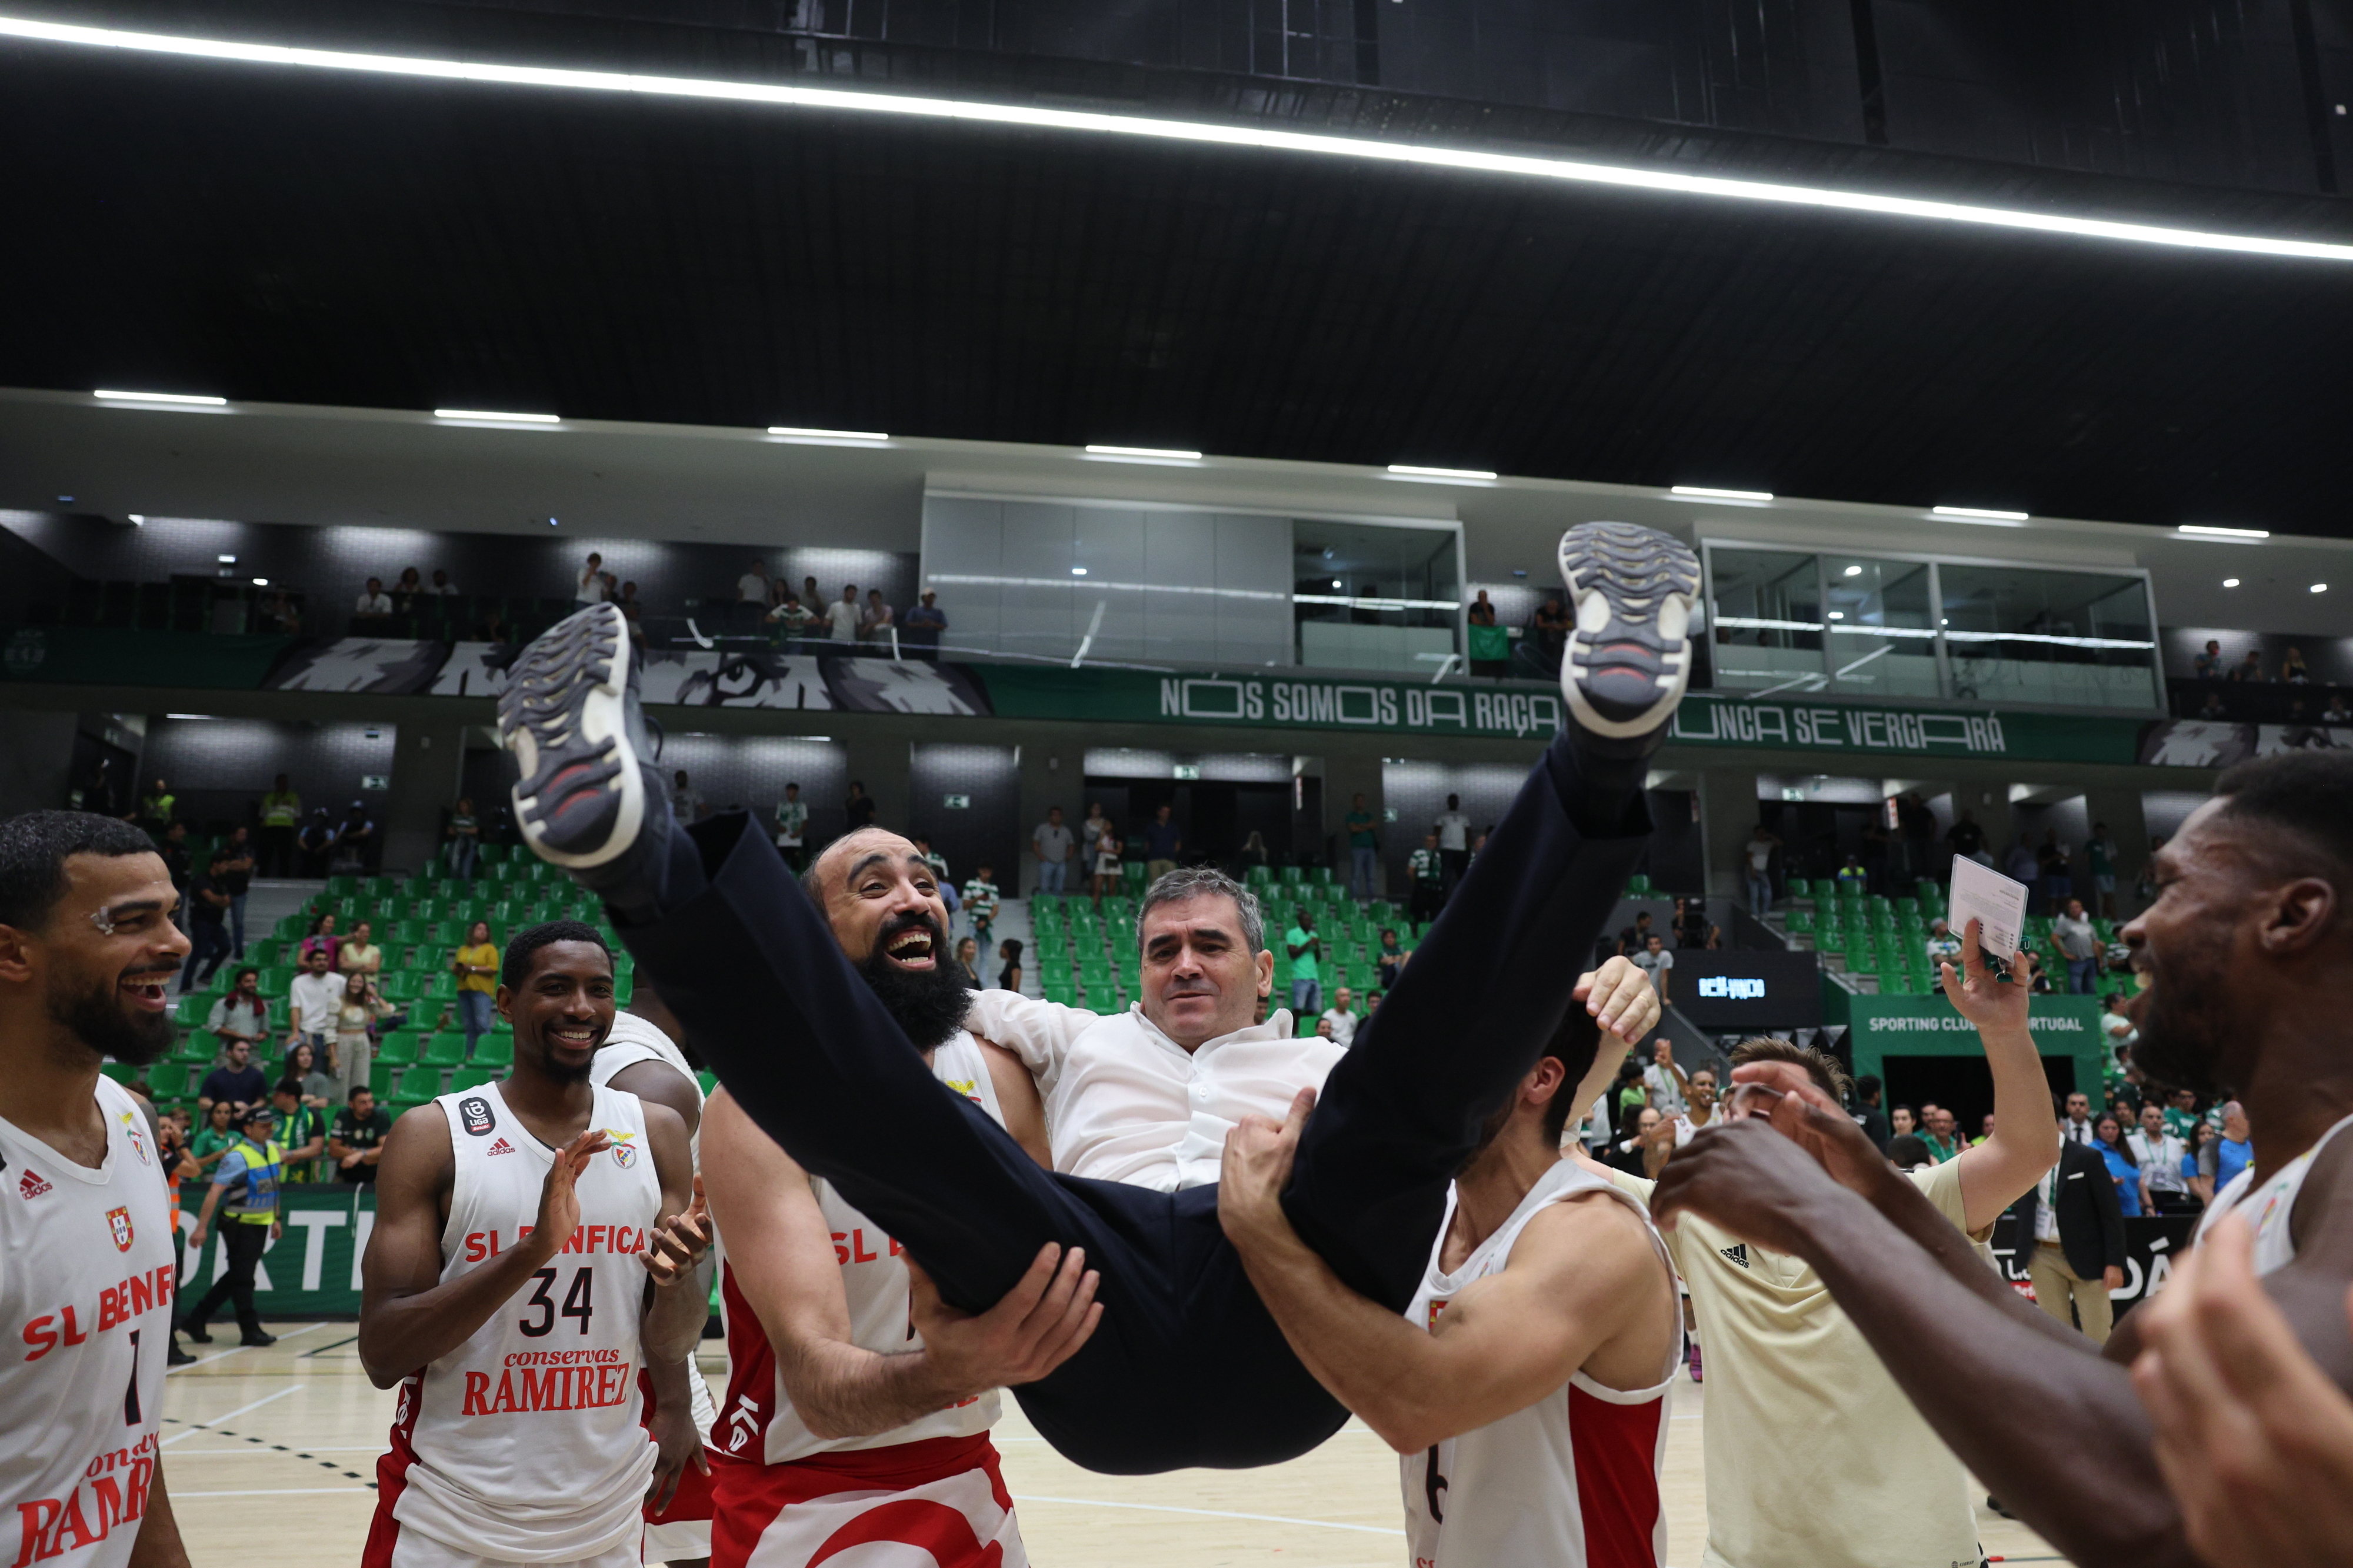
column 290, row 1433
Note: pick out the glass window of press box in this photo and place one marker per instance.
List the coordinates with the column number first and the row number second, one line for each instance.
column 1180, row 588
column 1790, row 623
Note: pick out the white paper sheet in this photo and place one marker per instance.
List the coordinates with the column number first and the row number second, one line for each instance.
column 1981, row 893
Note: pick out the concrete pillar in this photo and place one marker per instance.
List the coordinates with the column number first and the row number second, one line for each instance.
column 35, row 760
column 1053, row 773
column 881, row 763
column 1346, row 776
column 427, row 769
column 1727, row 816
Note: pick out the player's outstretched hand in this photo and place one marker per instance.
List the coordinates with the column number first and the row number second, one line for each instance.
column 678, row 1246
column 2255, row 1440
column 1748, row 1179
column 1620, row 995
column 559, row 1201
column 1035, row 1327
column 1255, row 1168
column 676, row 1445
column 1983, row 997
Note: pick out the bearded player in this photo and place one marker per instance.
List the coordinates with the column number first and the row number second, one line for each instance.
column 87, row 954
column 506, row 1291
column 857, row 1405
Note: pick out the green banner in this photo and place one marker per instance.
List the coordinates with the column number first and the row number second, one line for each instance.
column 95, row 655
column 1884, row 1027
column 312, row 1269
column 1708, row 719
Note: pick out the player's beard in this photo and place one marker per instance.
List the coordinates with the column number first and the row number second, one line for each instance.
column 929, row 1005
column 95, row 1016
column 2180, row 1041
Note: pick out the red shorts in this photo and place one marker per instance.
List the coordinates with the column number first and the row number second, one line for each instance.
column 945, row 1495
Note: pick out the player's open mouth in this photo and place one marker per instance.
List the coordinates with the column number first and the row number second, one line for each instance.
column 578, row 1036
column 155, row 995
column 910, row 949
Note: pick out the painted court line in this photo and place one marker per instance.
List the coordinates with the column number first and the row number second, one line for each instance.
column 240, row 1349
column 271, row 1491
column 197, row 1427
column 1208, row 1513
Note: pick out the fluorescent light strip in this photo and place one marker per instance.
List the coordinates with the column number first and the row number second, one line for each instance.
column 1705, row 493
column 976, row 580
column 180, row 397
column 2208, row 530
column 1980, row 513
column 1561, row 169
column 489, row 416
column 1414, row 471
column 1758, row 623
column 1169, row 455
column 827, row 435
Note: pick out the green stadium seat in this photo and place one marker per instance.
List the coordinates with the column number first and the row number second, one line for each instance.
column 448, row 1050
column 473, row 1078
column 342, row 887
column 1258, row 877
column 380, row 1078
column 1800, row 888
column 419, row 1083
column 120, row 1072
column 169, row 1080
column 192, row 1011
column 1800, row 920
column 1637, row 886
column 401, row 986
column 398, row 1049
column 494, row 1050
column 197, row 1048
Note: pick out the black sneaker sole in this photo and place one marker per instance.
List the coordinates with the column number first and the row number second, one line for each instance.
column 582, row 797
column 1632, row 591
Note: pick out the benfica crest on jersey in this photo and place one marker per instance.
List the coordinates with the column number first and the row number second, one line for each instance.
column 119, row 1222
column 624, row 1153
column 133, row 1136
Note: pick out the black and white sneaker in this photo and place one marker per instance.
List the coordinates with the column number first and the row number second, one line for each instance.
column 569, row 714
column 1632, row 592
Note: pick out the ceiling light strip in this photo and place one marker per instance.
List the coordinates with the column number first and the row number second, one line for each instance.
column 2210, row 530
column 1172, row 130
column 491, row 416
column 1708, row 492
column 104, row 396
column 1414, row 470
column 1168, row 454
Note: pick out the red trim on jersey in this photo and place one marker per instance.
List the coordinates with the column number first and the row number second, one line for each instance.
column 392, row 1476
column 750, row 1402
column 749, row 1494
column 1615, row 1448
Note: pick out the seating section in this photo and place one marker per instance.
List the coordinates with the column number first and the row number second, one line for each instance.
column 1888, row 938
column 419, row 921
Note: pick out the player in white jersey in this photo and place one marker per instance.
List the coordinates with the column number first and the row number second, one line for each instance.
column 507, row 1293
column 87, row 954
column 2247, row 957
column 857, row 1405
column 641, row 1057
column 1526, row 1389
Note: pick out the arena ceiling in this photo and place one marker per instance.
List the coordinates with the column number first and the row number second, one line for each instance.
column 305, row 237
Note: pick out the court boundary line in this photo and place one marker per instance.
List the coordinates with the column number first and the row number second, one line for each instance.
column 240, row 1349
column 196, row 1427
column 1211, row 1514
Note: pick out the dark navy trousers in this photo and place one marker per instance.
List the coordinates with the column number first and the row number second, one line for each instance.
column 1186, row 1367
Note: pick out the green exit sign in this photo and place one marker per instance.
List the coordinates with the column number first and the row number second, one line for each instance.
column 957, row 802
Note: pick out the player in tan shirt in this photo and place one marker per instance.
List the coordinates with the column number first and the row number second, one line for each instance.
column 1814, row 1457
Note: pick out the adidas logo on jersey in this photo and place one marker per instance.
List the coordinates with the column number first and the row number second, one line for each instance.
column 31, row 1185
column 1738, row 1252
column 501, row 1147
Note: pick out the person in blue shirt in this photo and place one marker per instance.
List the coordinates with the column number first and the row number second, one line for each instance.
column 2132, row 1182
column 2221, row 1160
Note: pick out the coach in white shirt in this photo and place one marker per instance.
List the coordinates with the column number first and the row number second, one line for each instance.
column 1147, row 1096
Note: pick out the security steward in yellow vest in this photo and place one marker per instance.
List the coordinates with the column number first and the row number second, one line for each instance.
column 245, row 1190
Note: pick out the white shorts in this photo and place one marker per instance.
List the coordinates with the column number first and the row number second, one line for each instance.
column 415, row 1549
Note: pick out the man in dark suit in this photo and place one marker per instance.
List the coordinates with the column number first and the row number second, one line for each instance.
column 2074, row 1243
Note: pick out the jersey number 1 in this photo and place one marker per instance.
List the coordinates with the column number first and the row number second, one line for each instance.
column 578, row 1302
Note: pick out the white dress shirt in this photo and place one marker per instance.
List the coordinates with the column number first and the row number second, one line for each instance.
column 1126, row 1103
column 315, row 1000
column 2076, row 1132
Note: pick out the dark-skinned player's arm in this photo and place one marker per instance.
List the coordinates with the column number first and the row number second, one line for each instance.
column 1582, row 1273
column 658, row 1083
column 158, row 1544
column 407, row 1316
column 678, row 1299
column 782, row 1253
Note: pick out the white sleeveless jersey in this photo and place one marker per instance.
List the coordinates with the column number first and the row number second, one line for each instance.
column 524, row 1444
column 2268, row 1207
column 85, row 1284
column 1571, row 1481
column 757, row 1421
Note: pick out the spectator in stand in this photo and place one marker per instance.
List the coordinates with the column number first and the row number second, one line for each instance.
column 173, row 847
column 1254, row 856
column 632, row 611
column 354, row 847
column 2076, row 1126
column 297, row 1130
column 406, row 592
column 464, row 835
column 1903, row 1122
column 1639, row 1131
column 241, row 1013
column 2208, row 666
column 358, row 1009
column 1938, row 1135
column 1363, row 829
column 2057, row 870
column 491, row 628
column 1338, row 1022
column 208, row 942
column 2081, row 945
column 2158, row 1154
column 857, row 811
column 792, row 621
column 237, row 881
column 968, row 963
column 2292, row 668
column 1389, row 960
column 1454, row 830
column 792, row 828
column 311, row 1005
column 1967, row 840
column 2213, row 710
column 1943, row 946
column 1306, row 951
column 686, row 801
column 875, row 625
column 217, row 1137
column 1163, row 841
column 235, row 1082
column 281, row 814
column 1654, row 959
column 1689, row 924
column 2181, row 1113
column 306, row 1067
column 2223, row 1160
column 842, row 618
column 2023, row 865
column 2250, row 668
column 2078, row 1231
column 1055, row 847
column 926, row 621
column 589, row 587
column 980, row 903
column 441, row 586
column 1091, row 828
column 821, row 623
column 1426, row 876
column 2194, row 1164
column 371, row 611
column 476, row 965
column 2124, row 1168
column 323, row 937
column 1552, row 626
column 2100, row 862
column 2336, row 713
column 1662, row 1080
column 1009, row 974
column 359, row 954
column 1108, row 849
column 355, row 1139
column 1632, row 939
column 156, row 809
column 752, row 591
column 280, row 615
column 1873, row 1121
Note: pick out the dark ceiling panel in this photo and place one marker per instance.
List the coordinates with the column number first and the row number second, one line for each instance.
column 299, row 238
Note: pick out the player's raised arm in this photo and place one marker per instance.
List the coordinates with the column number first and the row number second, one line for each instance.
column 407, row 1316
